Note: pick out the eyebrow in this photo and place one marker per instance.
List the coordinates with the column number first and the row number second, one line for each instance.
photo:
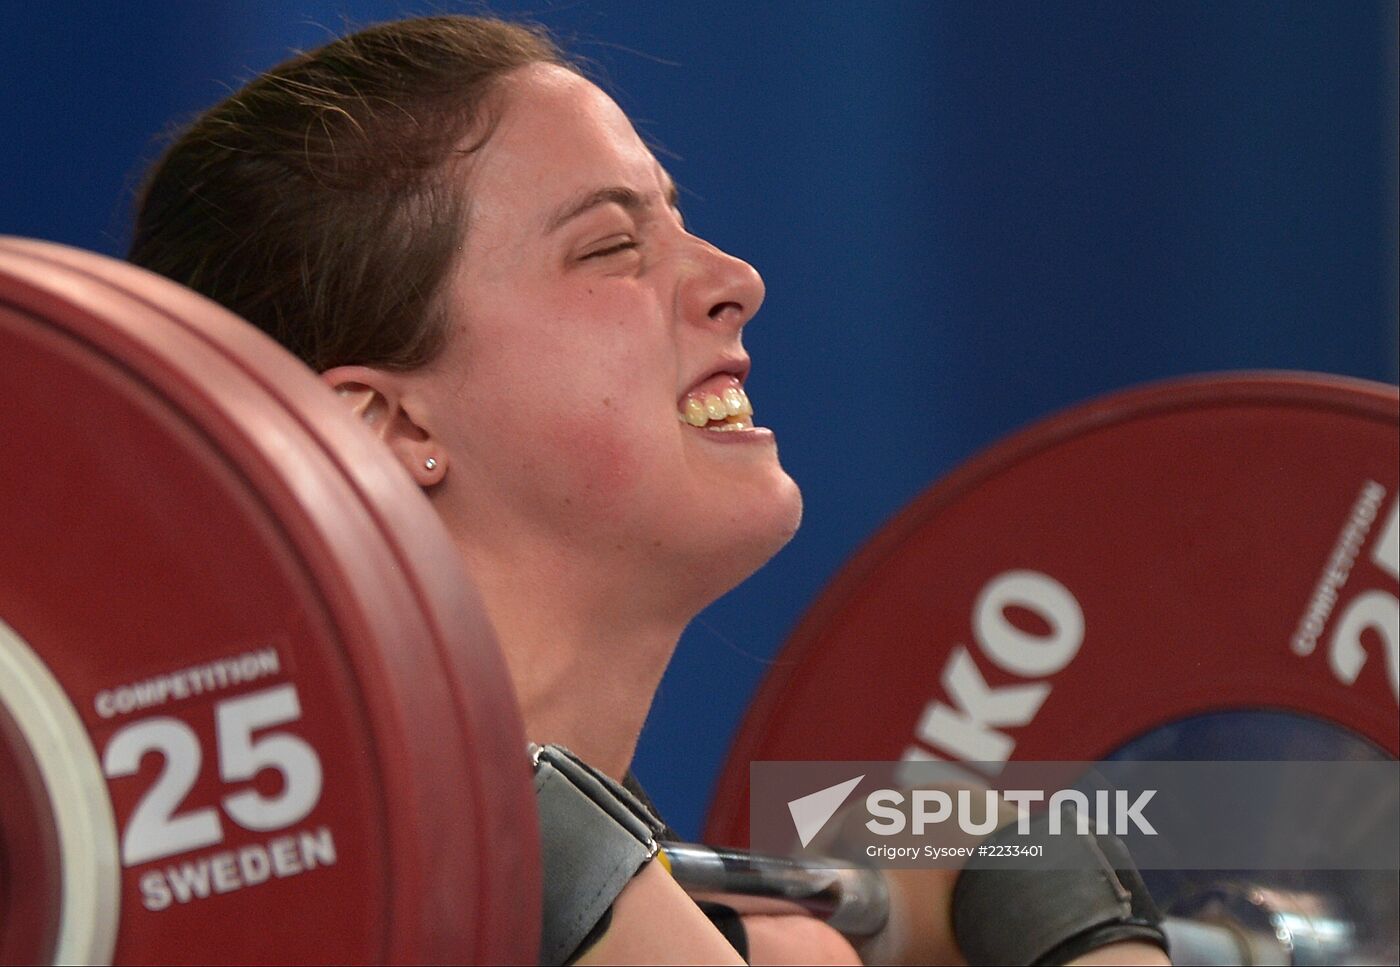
column 628, row 198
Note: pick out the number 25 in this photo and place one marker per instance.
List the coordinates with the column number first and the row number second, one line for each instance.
column 155, row 831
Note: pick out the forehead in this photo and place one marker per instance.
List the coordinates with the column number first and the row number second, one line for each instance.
column 558, row 134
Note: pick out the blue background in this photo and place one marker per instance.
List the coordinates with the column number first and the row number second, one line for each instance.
column 968, row 215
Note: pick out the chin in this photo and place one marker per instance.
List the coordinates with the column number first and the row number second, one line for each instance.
column 753, row 537
column 787, row 517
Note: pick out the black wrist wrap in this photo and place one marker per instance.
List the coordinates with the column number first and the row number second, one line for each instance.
column 1082, row 894
column 594, row 837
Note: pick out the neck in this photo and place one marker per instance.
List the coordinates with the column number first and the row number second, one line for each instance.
column 595, row 708
column 585, row 671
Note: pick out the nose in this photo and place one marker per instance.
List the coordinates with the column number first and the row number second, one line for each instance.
column 719, row 289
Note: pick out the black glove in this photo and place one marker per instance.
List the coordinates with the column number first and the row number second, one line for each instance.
column 1083, row 893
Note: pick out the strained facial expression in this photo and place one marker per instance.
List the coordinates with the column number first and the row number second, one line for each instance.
column 596, row 371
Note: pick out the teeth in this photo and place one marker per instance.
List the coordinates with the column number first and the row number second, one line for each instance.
column 695, row 413
column 727, row 411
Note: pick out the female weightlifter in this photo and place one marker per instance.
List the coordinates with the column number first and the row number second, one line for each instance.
column 472, row 245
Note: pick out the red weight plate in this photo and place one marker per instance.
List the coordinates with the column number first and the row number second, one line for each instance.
column 30, row 878
column 216, row 564
column 1197, row 546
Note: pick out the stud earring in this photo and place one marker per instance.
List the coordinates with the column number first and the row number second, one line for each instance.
column 430, row 464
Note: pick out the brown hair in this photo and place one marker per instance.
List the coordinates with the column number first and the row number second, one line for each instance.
column 318, row 202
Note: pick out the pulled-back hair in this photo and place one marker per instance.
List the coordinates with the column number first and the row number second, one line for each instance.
column 320, row 202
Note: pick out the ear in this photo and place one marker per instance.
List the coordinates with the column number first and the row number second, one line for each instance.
column 376, row 397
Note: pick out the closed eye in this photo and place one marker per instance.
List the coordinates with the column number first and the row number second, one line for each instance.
column 623, row 246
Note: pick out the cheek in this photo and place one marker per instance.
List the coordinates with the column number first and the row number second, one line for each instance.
column 574, row 434
column 600, row 465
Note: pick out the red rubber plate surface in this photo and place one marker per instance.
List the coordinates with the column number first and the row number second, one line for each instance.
column 29, row 870
column 1191, row 524
column 176, row 491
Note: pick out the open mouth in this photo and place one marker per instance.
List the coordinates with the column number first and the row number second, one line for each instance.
column 718, row 408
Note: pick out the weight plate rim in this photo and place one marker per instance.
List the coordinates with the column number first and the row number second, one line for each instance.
column 1310, row 390
column 420, row 569
column 58, row 742
column 97, row 320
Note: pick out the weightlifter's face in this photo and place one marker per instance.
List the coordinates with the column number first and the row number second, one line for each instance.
column 586, row 321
